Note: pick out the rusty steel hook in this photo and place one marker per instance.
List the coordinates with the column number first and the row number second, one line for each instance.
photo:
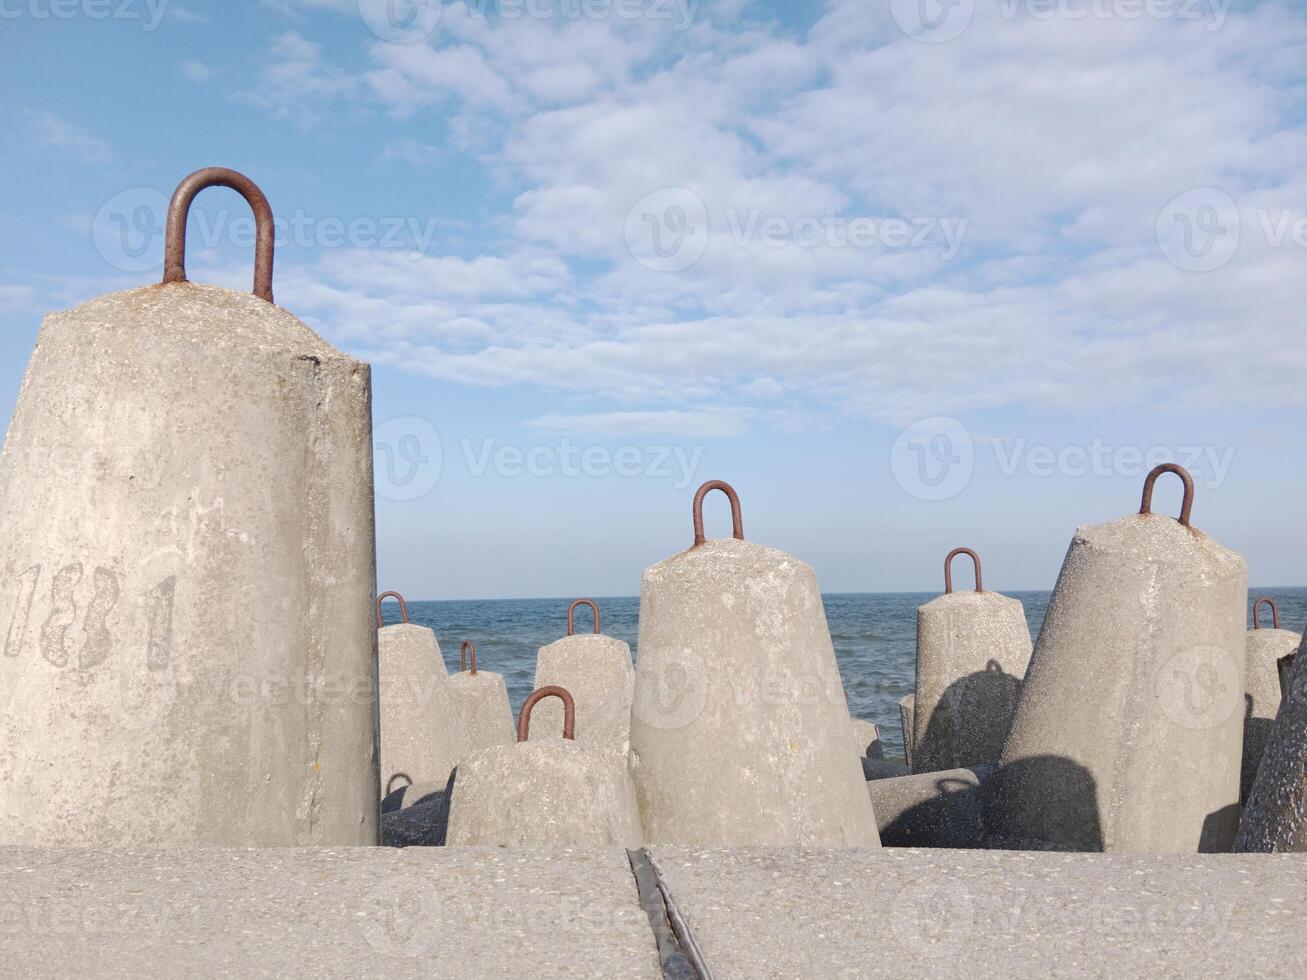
column 571, row 615
column 948, row 569
column 553, row 691
column 1275, row 612
column 737, row 521
column 1146, row 506
column 403, row 607
column 174, row 249
column 468, row 652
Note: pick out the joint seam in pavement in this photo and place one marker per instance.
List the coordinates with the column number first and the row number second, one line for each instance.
column 678, row 953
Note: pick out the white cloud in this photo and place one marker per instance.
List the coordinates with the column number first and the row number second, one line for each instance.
column 707, row 424
column 68, row 137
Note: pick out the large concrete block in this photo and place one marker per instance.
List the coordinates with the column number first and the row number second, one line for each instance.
column 597, row 671
column 186, row 576
column 1128, row 733
column 1275, row 815
column 481, row 697
column 543, row 792
column 866, row 738
column 934, row 809
column 740, row 728
column 423, row 735
column 972, row 652
column 1265, row 648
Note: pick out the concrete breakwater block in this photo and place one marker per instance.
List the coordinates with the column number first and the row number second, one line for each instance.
column 596, row 670
column 973, row 648
column 481, row 697
column 883, row 768
column 1262, row 691
column 543, row 792
column 186, row 574
column 740, row 727
column 906, row 705
column 803, row 912
column 866, row 738
column 1275, row 816
column 1128, row 734
column 423, row 736
column 480, row 913
column 935, row 809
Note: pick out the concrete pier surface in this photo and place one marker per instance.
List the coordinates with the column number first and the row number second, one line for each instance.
column 749, row 913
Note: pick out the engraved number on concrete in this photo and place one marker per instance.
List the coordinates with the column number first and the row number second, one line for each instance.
column 99, row 641
column 159, row 651
column 63, row 613
column 22, row 611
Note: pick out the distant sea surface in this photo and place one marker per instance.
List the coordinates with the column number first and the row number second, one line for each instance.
column 875, row 636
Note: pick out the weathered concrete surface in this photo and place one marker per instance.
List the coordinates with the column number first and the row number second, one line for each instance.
column 935, row 809
column 365, row 912
column 1128, row 734
column 596, row 670
column 1261, row 696
column 422, row 732
column 785, row 913
column 482, row 702
column 883, row 769
column 906, row 705
column 972, row 652
column 186, row 580
column 740, row 728
column 1275, row 816
column 866, row 738
column 543, row 793
column 420, row 817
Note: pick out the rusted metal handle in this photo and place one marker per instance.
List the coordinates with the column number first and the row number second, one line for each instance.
column 468, row 652
column 737, row 521
column 174, row 249
column 403, row 607
column 1275, row 612
column 1146, row 506
column 553, row 691
column 948, row 569
column 571, row 615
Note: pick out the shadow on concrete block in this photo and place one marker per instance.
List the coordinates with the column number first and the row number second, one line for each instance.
column 1042, row 803
column 423, row 822
column 955, row 737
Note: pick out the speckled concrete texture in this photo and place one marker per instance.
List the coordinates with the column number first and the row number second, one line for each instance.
column 866, row 738
column 482, row 702
column 740, row 728
column 186, row 580
column 367, row 912
column 1261, row 696
column 596, row 670
column 422, row 733
column 1129, row 731
column 543, row 793
column 762, row 913
column 936, row 809
column 1275, row 817
column 972, row 652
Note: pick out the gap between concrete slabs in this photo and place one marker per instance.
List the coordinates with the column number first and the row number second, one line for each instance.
column 678, row 953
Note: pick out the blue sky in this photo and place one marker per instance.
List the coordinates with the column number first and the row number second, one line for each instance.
column 908, row 284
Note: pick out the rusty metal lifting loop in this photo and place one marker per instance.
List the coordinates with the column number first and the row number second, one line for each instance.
column 466, row 652
column 948, row 569
column 174, row 249
column 571, row 615
column 1275, row 612
column 737, row 522
column 403, row 607
column 553, row 691
column 1146, row 507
